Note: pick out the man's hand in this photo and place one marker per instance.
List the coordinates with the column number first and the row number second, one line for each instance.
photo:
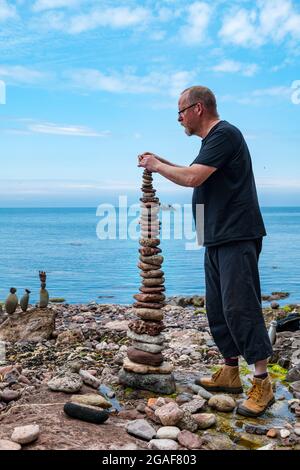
column 148, row 160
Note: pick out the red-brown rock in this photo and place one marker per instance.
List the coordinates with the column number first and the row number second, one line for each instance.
column 146, row 327
column 143, row 357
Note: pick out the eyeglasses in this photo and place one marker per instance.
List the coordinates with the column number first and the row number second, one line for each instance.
column 184, row 109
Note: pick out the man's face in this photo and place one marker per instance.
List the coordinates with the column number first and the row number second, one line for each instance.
column 188, row 118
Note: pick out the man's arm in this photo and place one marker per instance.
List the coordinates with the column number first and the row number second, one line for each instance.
column 191, row 176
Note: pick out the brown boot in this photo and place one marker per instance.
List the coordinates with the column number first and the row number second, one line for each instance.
column 226, row 379
column 260, row 397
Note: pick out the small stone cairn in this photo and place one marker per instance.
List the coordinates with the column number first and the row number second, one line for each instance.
column 144, row 366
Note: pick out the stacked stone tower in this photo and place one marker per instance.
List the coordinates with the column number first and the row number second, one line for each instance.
column 144, row 366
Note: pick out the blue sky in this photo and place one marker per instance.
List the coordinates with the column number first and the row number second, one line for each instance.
column 90, row 84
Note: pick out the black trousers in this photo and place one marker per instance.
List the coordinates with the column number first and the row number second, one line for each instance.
column 233, row 300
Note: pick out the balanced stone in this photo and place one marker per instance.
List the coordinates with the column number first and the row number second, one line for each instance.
column 143, row 357
column 147, row 267
column 149, row 223
column 148, row 189
column 146, row 327
column 153, row 281
column 152, row 290
column 149, row 211
column 147, row 347
column 149, row 314
column 91, row 414
column 149, row 297
column 149, row 199
column 150, row 205
column 154, row 273
column 148, row 231
column 155, row 306
column 147, row 250
column 149, row 242
column 149, row 234
column 154, row 259
column 130, row 366
column 159, row 339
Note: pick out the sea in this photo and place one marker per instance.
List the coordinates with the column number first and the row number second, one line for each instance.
column 91, row 255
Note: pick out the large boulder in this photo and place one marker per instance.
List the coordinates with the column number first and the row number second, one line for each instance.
column 34, row 325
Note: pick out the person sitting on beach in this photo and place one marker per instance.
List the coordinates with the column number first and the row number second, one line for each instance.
column 223, row 181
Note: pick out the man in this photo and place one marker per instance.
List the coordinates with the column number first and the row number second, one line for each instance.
column 223, row 182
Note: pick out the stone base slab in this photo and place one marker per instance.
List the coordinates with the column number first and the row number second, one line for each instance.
column 157, row 383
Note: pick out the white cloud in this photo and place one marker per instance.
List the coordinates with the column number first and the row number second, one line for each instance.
column 281, row 91
column 232, row 66
column 119, row 17
column 20, row 74
column 7, row 11
column 116, row 17
column 198, row 17
column 78, row 131
column 260, row 95
column 129, row 82
column 41, row 5
column 267, row 21
column 240, row 29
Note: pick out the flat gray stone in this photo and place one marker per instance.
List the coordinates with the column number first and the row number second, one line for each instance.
column 159, row 339
column 201, row 391
column 158, row 383
column 147, row 347
column 142, row 429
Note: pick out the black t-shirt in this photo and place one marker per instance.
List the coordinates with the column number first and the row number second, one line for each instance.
column 231, row 209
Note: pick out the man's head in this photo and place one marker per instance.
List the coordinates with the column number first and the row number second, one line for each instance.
column 196, row 107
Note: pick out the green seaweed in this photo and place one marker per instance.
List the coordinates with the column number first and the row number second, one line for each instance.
column 287, row 309
column 277, row 372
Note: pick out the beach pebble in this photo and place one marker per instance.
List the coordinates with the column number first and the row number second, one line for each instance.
column 222, row 403
column 189, row 440
column 142, row 429
column 284, row 433
column 168, row 432
column 163, row 444
column 169, row 414
column 89, row 379
column 26, row 434
column 9, row 445
column 69, row 383
column 194, row 406
column 91, row 414
column 205, row 420
column 91, row 399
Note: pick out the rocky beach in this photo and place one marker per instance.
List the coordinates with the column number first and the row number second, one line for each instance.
column 60, row 387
